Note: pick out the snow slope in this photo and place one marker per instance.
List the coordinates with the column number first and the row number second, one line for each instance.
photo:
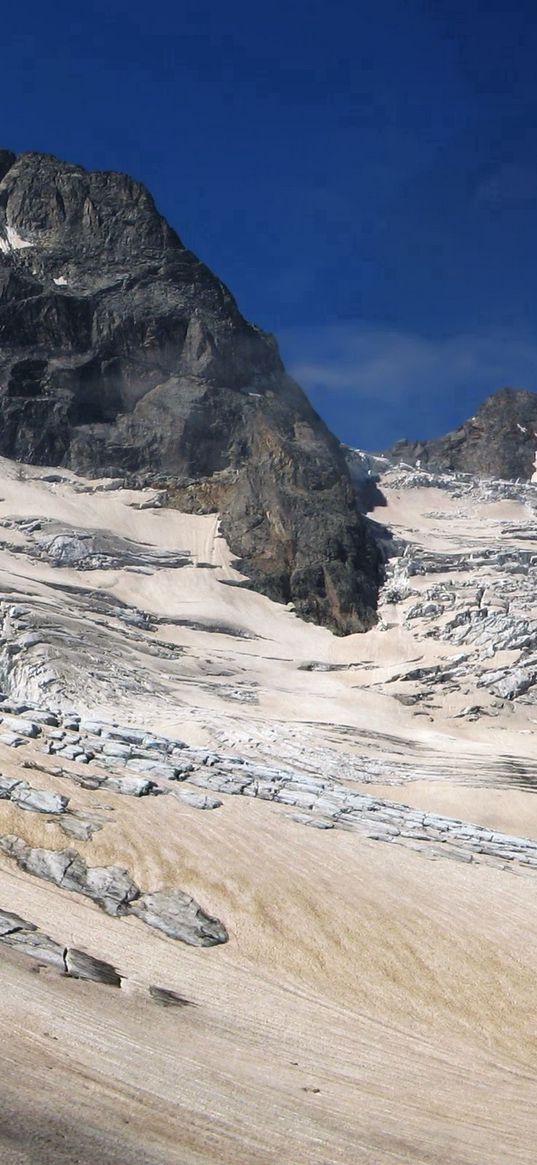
column 375, row 1000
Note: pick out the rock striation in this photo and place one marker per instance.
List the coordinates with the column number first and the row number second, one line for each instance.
column 121, row 354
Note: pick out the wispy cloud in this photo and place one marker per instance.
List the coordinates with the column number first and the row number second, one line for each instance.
column 375, row 384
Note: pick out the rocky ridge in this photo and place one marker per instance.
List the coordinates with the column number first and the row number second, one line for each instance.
column 499, row 442
column 122, row 354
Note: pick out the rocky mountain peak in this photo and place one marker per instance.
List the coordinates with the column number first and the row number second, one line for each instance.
column 122, row 354
column 57, row 204
column 499, row 441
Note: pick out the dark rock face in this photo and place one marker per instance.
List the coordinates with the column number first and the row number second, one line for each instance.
column 121, row 354
column 363, row 468
column 500, row 441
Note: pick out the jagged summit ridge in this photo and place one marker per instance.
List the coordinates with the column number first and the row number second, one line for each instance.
column 122, row 354
column 499, row 441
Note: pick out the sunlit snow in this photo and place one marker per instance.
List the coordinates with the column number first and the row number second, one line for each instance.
column 15, row 241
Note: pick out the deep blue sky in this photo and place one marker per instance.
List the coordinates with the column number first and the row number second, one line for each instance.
column 362, row 175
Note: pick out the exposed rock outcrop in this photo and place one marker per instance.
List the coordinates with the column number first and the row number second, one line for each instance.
column 21, row 794
column 121, row 354
column 499, row 442
column 172, row 911
column 26, row 938
column 180, row 917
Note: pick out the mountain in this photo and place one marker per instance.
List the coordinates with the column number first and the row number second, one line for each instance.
column 121, row 354
column 500, row 441
column 265, row 892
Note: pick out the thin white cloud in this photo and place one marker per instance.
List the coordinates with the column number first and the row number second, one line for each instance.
column 372, row 362
column 378, row 383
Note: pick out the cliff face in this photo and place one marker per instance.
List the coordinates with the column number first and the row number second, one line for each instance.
column 122, row 354
column 500, row 441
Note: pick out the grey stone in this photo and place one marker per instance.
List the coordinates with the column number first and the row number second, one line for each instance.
column 153, row 769
column 182, row 768
column 43, row 717
column 80, row 965
column 132, row 786
column 95, row 727
column 10, row 922
column 172, row 911
column 39, row 946
column 125, row 736
column 159, row 744
column 71, row 723
column 8, row 785
column 109, row 886
column 25, row 938
column 70, row 751
column 314, row 822
column 197, row 800
column 21, row 727
column 180, row 917
column 114, row 748
column 39, row 801
column 79, row 827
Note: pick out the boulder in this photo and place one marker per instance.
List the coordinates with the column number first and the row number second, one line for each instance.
column 180, row 917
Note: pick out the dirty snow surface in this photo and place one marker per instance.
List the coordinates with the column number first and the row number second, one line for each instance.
column 267, row 896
